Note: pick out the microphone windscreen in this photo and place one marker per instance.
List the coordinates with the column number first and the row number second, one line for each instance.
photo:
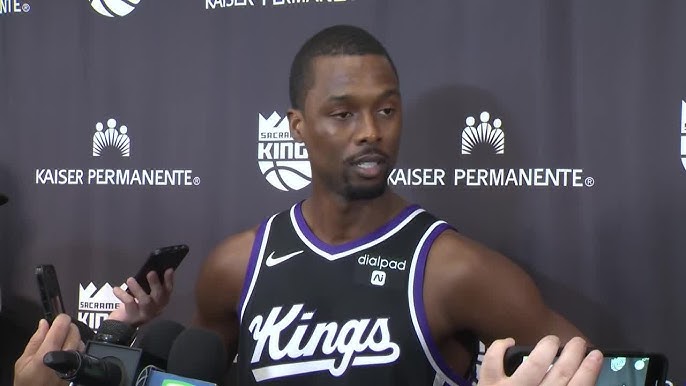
column 115, row 332
column 200, row 354
column 157, row 337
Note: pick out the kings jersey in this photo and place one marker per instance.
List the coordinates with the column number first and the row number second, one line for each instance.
column 353, row 314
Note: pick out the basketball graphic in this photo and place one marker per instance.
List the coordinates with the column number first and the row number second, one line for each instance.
column 282, row 161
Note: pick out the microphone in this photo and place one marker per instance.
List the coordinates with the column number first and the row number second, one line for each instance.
column 3, row 199
column 115, row 332
column 86, row 369
column 198, row 354
column 156, row 339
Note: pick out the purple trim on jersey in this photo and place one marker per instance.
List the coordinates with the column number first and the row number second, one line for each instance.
column 335, row 249
column 421, row 312
column 252, row 263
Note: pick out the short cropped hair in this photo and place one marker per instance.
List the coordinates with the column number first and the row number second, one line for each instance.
column 331, row 41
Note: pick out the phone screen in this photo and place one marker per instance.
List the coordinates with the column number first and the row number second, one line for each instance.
column 622, row 371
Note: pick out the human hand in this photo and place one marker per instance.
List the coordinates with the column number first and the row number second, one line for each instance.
column 143, row 307
column 29, row 369
column 571, row 368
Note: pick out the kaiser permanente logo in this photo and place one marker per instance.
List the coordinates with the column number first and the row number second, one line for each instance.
column 221, row 4
column 489, row 133
column 109, row 141
column 282, row 161
column 96, row 304
column 114, row 8
column 8, row 7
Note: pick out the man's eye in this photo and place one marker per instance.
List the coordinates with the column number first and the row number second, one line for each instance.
column 387, row 111
column 343, row 115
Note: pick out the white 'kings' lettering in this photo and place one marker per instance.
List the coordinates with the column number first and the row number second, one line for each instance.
column 352, row 343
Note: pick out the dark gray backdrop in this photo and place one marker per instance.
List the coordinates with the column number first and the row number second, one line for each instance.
column 590, row 85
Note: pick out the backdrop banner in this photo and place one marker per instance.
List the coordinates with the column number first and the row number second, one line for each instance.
column 552, row 131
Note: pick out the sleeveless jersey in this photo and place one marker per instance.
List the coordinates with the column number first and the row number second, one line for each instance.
column 353, row 314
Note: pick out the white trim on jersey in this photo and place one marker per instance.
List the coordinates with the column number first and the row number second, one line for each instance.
column 258, row 265
column 440, row 375
column 336, row 256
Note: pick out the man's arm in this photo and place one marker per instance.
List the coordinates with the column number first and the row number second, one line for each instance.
column 219, row 288
column 483, row 291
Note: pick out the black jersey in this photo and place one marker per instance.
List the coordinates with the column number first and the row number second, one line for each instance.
column 353, row 314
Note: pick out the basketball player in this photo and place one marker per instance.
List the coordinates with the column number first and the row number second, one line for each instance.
column 354, row 285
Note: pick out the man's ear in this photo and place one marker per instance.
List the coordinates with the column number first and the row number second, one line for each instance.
column 296, row 124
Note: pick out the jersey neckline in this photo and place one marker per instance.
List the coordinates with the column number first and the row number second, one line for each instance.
column 333, row 252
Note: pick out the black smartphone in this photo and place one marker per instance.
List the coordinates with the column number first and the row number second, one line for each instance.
column 159, row 261
column 628, row 368
column 50, row 294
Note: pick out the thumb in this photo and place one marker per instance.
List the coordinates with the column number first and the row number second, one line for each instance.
column 37, row 338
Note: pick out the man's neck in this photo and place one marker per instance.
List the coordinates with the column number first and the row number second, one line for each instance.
column 336, row 220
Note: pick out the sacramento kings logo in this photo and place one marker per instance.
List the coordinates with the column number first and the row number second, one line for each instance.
column 112, row 8
column 282, row 161
column 484, row 132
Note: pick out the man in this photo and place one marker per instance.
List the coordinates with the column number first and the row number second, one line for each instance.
column 354, row 285
column 570, row 369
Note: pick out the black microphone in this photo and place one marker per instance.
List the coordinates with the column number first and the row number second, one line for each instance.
column 3, row 199
column 156, row 339
column 85, row 369
column 115, row 332
column 199, row 354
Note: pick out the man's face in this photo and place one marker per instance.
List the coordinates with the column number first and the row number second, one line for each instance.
column 350, row 124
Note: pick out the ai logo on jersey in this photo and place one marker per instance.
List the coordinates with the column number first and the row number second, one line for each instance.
column 112, row 8
column 483, row 133
column 282, row 161
column 378, row 278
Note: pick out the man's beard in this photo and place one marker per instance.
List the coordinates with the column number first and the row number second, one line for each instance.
column 352, row 193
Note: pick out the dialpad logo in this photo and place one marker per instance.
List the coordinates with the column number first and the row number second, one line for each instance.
column 96, row 304
column 112, row 8
column 282, row 161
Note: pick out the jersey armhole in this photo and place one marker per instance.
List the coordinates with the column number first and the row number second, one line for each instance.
column 444, row 374
column 254, row 263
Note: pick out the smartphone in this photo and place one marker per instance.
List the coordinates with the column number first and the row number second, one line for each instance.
column 627, row 368
column 159, row 261
column 50, row 294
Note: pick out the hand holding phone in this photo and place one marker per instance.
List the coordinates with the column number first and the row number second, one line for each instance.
column 629, row 368
column 49, row 289
column 159, row 261
column 141, row 305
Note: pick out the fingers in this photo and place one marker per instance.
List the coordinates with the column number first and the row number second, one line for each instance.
column 37, row 338
column 57, row 335
column 156, row 289
column 492, row 366
column 567, row 364
column 532, row 371
column 589, row 370
column 169, row 280
column 136, row 290
column 73, row 340
column 122, row 295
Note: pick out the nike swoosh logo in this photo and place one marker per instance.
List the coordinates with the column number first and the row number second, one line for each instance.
column 272, row 261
